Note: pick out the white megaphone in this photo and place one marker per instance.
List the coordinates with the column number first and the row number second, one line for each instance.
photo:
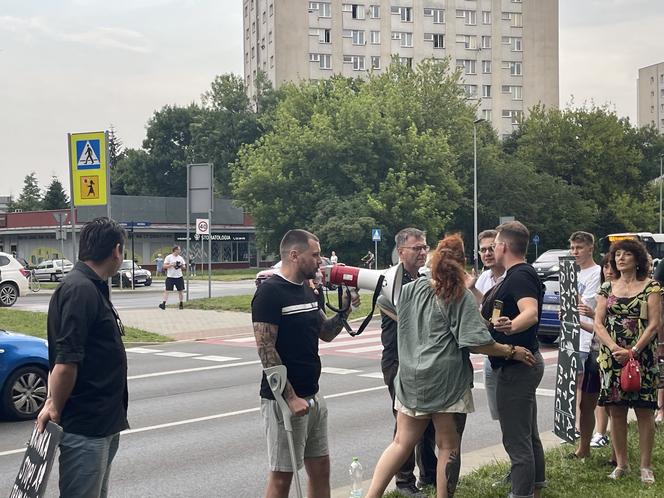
column 362, row 278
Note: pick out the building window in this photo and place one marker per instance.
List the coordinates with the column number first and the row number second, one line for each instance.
column 468, row 41
column 515, row 18
column 246, row 57
column 515, row 116
column 375, row 62
column 469, row 16
column 514, row 67
column 514, row 90
column 272, row 61
column 325, row 61
column 323, row 8
column 358, row 37
column 314, row 57
column 271, row 9
column 405, row 13
column 374, row 11
column 468, row 65
column 269, row 37
column 471, row 91
column 406, row 61
column 486, row 91
column 247, row 36
column 437, row 14
column 356, row 60
column 438, row 39
column 356, row 10
column 264, row 17
column 486, row 67
column 486, row 114
column 253, row 27
column 406, row 38
column 486, row 17
column 375, row 37
column 486, row 42
column 515, row 43
column 253, row 52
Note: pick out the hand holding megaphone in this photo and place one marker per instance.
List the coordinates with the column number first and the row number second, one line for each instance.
column 352, row 299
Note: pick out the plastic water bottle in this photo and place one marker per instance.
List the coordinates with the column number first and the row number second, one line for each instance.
column 356, row 473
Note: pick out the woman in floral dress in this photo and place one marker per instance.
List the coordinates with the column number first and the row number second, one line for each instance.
column 626, row 322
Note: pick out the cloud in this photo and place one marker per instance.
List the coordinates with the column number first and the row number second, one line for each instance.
column 30, row 29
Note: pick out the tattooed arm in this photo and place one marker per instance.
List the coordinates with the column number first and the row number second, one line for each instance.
column 266, row 342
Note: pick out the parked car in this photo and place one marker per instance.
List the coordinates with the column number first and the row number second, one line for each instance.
column 549, row 326
column 141, row 275
column 547, row 264
column 23, row 375
column 13, row 280
column 263, row 275
column 53, row 270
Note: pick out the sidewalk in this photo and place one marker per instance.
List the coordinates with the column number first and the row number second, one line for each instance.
column 188, row 324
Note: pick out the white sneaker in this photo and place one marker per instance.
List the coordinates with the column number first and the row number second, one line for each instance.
column 599, row 440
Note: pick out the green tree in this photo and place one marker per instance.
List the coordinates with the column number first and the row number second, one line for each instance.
column 30, row 198
column 343, row 156
column 55, row 196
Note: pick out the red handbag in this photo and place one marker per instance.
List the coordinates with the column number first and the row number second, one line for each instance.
column 630, row 375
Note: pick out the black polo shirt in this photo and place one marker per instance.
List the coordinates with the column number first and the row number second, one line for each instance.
column 84, row 328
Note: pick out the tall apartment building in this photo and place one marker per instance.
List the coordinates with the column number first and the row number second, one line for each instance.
column 508, row 49
column 650, row 96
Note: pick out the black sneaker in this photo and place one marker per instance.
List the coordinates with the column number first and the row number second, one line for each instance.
column 162, row 306
column 181, row 305
column 411, row 491
column 507, row 479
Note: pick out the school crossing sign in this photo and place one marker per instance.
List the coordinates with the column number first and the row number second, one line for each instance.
column 87, row 152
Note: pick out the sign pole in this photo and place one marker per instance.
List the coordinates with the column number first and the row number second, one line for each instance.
column 188, row 215
column 375, row 254
column 108, row 205
column 210, row 255
column 132, row 255
column 71, row 202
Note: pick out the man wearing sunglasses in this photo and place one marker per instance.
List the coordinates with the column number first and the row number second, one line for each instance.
column 413, row 250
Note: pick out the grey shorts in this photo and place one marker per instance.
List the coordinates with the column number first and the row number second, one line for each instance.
column 309, row 435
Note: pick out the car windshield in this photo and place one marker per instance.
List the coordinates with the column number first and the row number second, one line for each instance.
column 552, row 286
column 126, row 265
column 551, row 256
column 60, row 262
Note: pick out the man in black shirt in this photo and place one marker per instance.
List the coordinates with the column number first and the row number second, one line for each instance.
column 87, row 387
column 520, row 294
column 288, row 323
column 412, row 248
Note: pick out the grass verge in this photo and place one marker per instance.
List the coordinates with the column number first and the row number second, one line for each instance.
column 243, row 303
column 230, row 275
column 572, row 478
column 34, row 323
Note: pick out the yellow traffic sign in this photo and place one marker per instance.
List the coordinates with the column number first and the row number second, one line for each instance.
column 87, row 152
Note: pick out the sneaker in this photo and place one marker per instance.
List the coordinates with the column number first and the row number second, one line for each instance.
column 599, row 440
column 577, row 434
column 411, row 491
column 181, row 305
column 507, row 479
column 162, row 306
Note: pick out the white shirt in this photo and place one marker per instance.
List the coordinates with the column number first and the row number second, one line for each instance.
column 172, row 271
column 486, row 282
column 588, row 282
column 334, row 259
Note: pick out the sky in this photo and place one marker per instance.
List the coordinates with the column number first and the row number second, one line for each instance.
column 70, row 66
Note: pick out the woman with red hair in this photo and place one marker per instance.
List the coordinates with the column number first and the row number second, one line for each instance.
column 438, row 326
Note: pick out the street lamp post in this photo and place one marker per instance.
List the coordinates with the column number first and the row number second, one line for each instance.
column 475, row 254
column 660, row 193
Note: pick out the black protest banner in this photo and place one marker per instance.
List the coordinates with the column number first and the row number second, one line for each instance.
column 36, row 465
column 564, row 418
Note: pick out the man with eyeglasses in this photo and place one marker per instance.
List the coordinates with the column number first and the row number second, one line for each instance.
column 87, row 386
column 413, row 250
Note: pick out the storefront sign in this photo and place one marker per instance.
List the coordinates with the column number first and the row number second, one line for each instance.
column 235, row 237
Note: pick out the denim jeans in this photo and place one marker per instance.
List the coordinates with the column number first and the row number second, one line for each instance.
column 85, row 465
column 517, row 409
column 490, row 380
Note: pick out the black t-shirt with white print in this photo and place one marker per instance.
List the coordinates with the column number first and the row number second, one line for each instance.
column 295, row 309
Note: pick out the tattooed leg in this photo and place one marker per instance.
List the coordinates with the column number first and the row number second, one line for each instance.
column 452, row 471
column 449, row 428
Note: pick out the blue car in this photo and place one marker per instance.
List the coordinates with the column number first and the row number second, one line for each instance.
column 23, row 375
column 549, row 327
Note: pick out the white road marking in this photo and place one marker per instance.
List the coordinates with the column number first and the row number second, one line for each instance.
column 339, row 371
column 250, row 338
column 190, row 370
column 373, row 375
column 352, row 342
column 178, row 354
column 216, row 358
column 143, row 350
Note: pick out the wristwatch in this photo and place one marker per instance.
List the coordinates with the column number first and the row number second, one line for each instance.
column 635, row 350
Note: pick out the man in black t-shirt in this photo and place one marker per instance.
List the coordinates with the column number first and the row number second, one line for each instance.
column 288, row 323
column 521, row 293
column 87, row 385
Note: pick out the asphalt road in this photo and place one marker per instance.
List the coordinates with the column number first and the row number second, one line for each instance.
column 196, row 428
column 144, row 297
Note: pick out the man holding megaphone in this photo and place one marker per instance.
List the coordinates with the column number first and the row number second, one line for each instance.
column 288, row 323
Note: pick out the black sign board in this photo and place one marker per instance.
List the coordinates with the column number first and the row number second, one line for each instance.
column 564, row 418
column 238, row 237
column 36, row 465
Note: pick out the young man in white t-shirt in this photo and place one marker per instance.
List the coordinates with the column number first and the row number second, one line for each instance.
column 581, row 246
column 174, row 264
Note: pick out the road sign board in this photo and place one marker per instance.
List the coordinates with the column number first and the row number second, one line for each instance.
column 130, row 224
column 88, row 168
column 202, row 226
column 375, row 234
column 536, row 239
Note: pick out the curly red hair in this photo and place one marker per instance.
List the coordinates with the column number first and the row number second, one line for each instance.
column 447, row 268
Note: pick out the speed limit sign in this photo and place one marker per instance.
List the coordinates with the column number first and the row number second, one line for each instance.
column 202, row 226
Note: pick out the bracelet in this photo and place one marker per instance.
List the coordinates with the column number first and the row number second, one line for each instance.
column 510, row 355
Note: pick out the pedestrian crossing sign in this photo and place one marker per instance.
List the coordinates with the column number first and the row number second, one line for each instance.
column 88, row 168
column 375, row 234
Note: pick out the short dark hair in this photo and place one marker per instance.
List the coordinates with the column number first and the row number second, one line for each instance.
column 516, row 235
column 175, row 247
column 583, row 237
column 98, row 239
column 639, row 251
column 401, row 237
column 486, row 234
column 295, row 239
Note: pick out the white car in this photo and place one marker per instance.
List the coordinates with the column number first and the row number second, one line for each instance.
column 13, row 280
column 53, row 270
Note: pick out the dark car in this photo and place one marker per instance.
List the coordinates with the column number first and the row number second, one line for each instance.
column 549, row 326
column 547, row 265
column 23, row 375
column 141, row 276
